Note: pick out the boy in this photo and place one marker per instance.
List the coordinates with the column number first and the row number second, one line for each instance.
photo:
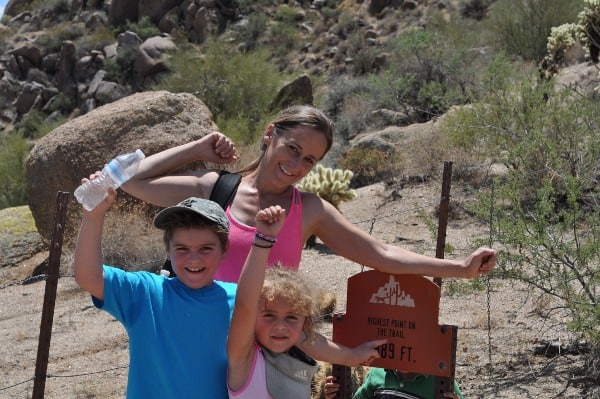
column 388, row 384
column 177, row 327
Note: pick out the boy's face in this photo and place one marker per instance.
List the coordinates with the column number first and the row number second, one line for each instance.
column 195, row 255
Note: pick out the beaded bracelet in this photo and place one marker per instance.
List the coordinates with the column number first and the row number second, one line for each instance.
column 262, row 246
column 265, row 237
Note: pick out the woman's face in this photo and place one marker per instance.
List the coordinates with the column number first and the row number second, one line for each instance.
column 292, row 154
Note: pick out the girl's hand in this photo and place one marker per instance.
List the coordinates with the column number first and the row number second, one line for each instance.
column 331, row 387
column 366, row 352
column 269, row 221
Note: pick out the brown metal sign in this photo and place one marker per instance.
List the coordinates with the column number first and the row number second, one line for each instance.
column 404, row 310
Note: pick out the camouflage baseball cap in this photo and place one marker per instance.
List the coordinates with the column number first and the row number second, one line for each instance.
column 203, row 207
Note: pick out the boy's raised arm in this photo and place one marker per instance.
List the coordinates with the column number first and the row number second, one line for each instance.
column 88, row 252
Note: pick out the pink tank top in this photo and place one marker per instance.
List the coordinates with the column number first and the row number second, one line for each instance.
column 287, row 251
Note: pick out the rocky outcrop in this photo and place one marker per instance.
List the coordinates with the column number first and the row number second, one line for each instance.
column 151, row 121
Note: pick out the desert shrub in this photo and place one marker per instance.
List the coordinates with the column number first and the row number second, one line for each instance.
column 285, row 13
column 283, row 37
column 13, row 179
column 427, row 73
column 53, row 37
column 35, row 125
column 476, row 9
column 522, row 27
column 120, row 68
column 339, row 90
column 544, row 209
column 99, row 38
column 237, row 87
column 253, row 30
column 347, row 22
column 589, row 21
column 371, row 165
column 355, row 117
column 144, row 28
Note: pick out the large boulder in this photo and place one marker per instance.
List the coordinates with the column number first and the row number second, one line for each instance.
column 151, row 121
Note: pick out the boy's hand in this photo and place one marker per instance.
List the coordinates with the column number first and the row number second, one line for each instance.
column 103, row 206
column 331, row 387
column 269, row 221
column 366, row 352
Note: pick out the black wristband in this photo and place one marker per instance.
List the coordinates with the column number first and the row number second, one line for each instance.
column 262, row 246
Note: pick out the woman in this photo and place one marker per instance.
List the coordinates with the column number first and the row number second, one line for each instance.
column 292, row 144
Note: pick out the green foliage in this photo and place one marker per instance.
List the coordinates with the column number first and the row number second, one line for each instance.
column 236, row 87
column 589, row 21
column 34, row 126
column 371, row 165
column 522, row 27
column 144, row 28
column 428, row 71
column 253, row 30
column 52, row 38
column 283, row 38
column 288, row 14
column 544, row 209
column 13, row 179
column 333, row 185
column 347, row 23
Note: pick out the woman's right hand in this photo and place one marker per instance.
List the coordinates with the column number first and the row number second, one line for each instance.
column 221, row 148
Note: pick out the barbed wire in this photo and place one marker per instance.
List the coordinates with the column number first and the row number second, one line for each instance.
column 50, row 376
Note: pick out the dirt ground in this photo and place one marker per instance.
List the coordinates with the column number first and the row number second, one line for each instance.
column 501, row 327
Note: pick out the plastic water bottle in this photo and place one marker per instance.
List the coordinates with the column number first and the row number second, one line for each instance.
column 114, row 174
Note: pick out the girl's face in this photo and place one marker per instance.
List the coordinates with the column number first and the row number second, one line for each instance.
column 278, row 328
column 293, row 153
column 195, row 255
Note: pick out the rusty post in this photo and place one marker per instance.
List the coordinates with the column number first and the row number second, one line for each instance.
column 443, row 214
column 41, row 364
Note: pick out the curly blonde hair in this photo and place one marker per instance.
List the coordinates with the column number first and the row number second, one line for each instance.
column 287, row 284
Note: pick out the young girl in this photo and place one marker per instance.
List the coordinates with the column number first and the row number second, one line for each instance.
column 272, row 316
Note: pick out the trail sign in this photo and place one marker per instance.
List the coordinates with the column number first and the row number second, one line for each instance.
column 403, row 309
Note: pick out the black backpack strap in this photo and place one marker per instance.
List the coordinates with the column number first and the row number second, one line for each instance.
column 225, row 188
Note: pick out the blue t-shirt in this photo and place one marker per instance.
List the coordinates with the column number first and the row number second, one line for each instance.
column 177, row 335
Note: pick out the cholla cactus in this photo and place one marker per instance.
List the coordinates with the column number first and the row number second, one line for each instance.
column 561, row 39
column 589, row 20
column 333, row 185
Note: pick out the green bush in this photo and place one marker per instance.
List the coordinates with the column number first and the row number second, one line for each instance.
column 371, row 165
column 237, row 87
column 522, row 27
column 544, row 210
column 283, row 38
column 144, row 28
column 13, row 179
